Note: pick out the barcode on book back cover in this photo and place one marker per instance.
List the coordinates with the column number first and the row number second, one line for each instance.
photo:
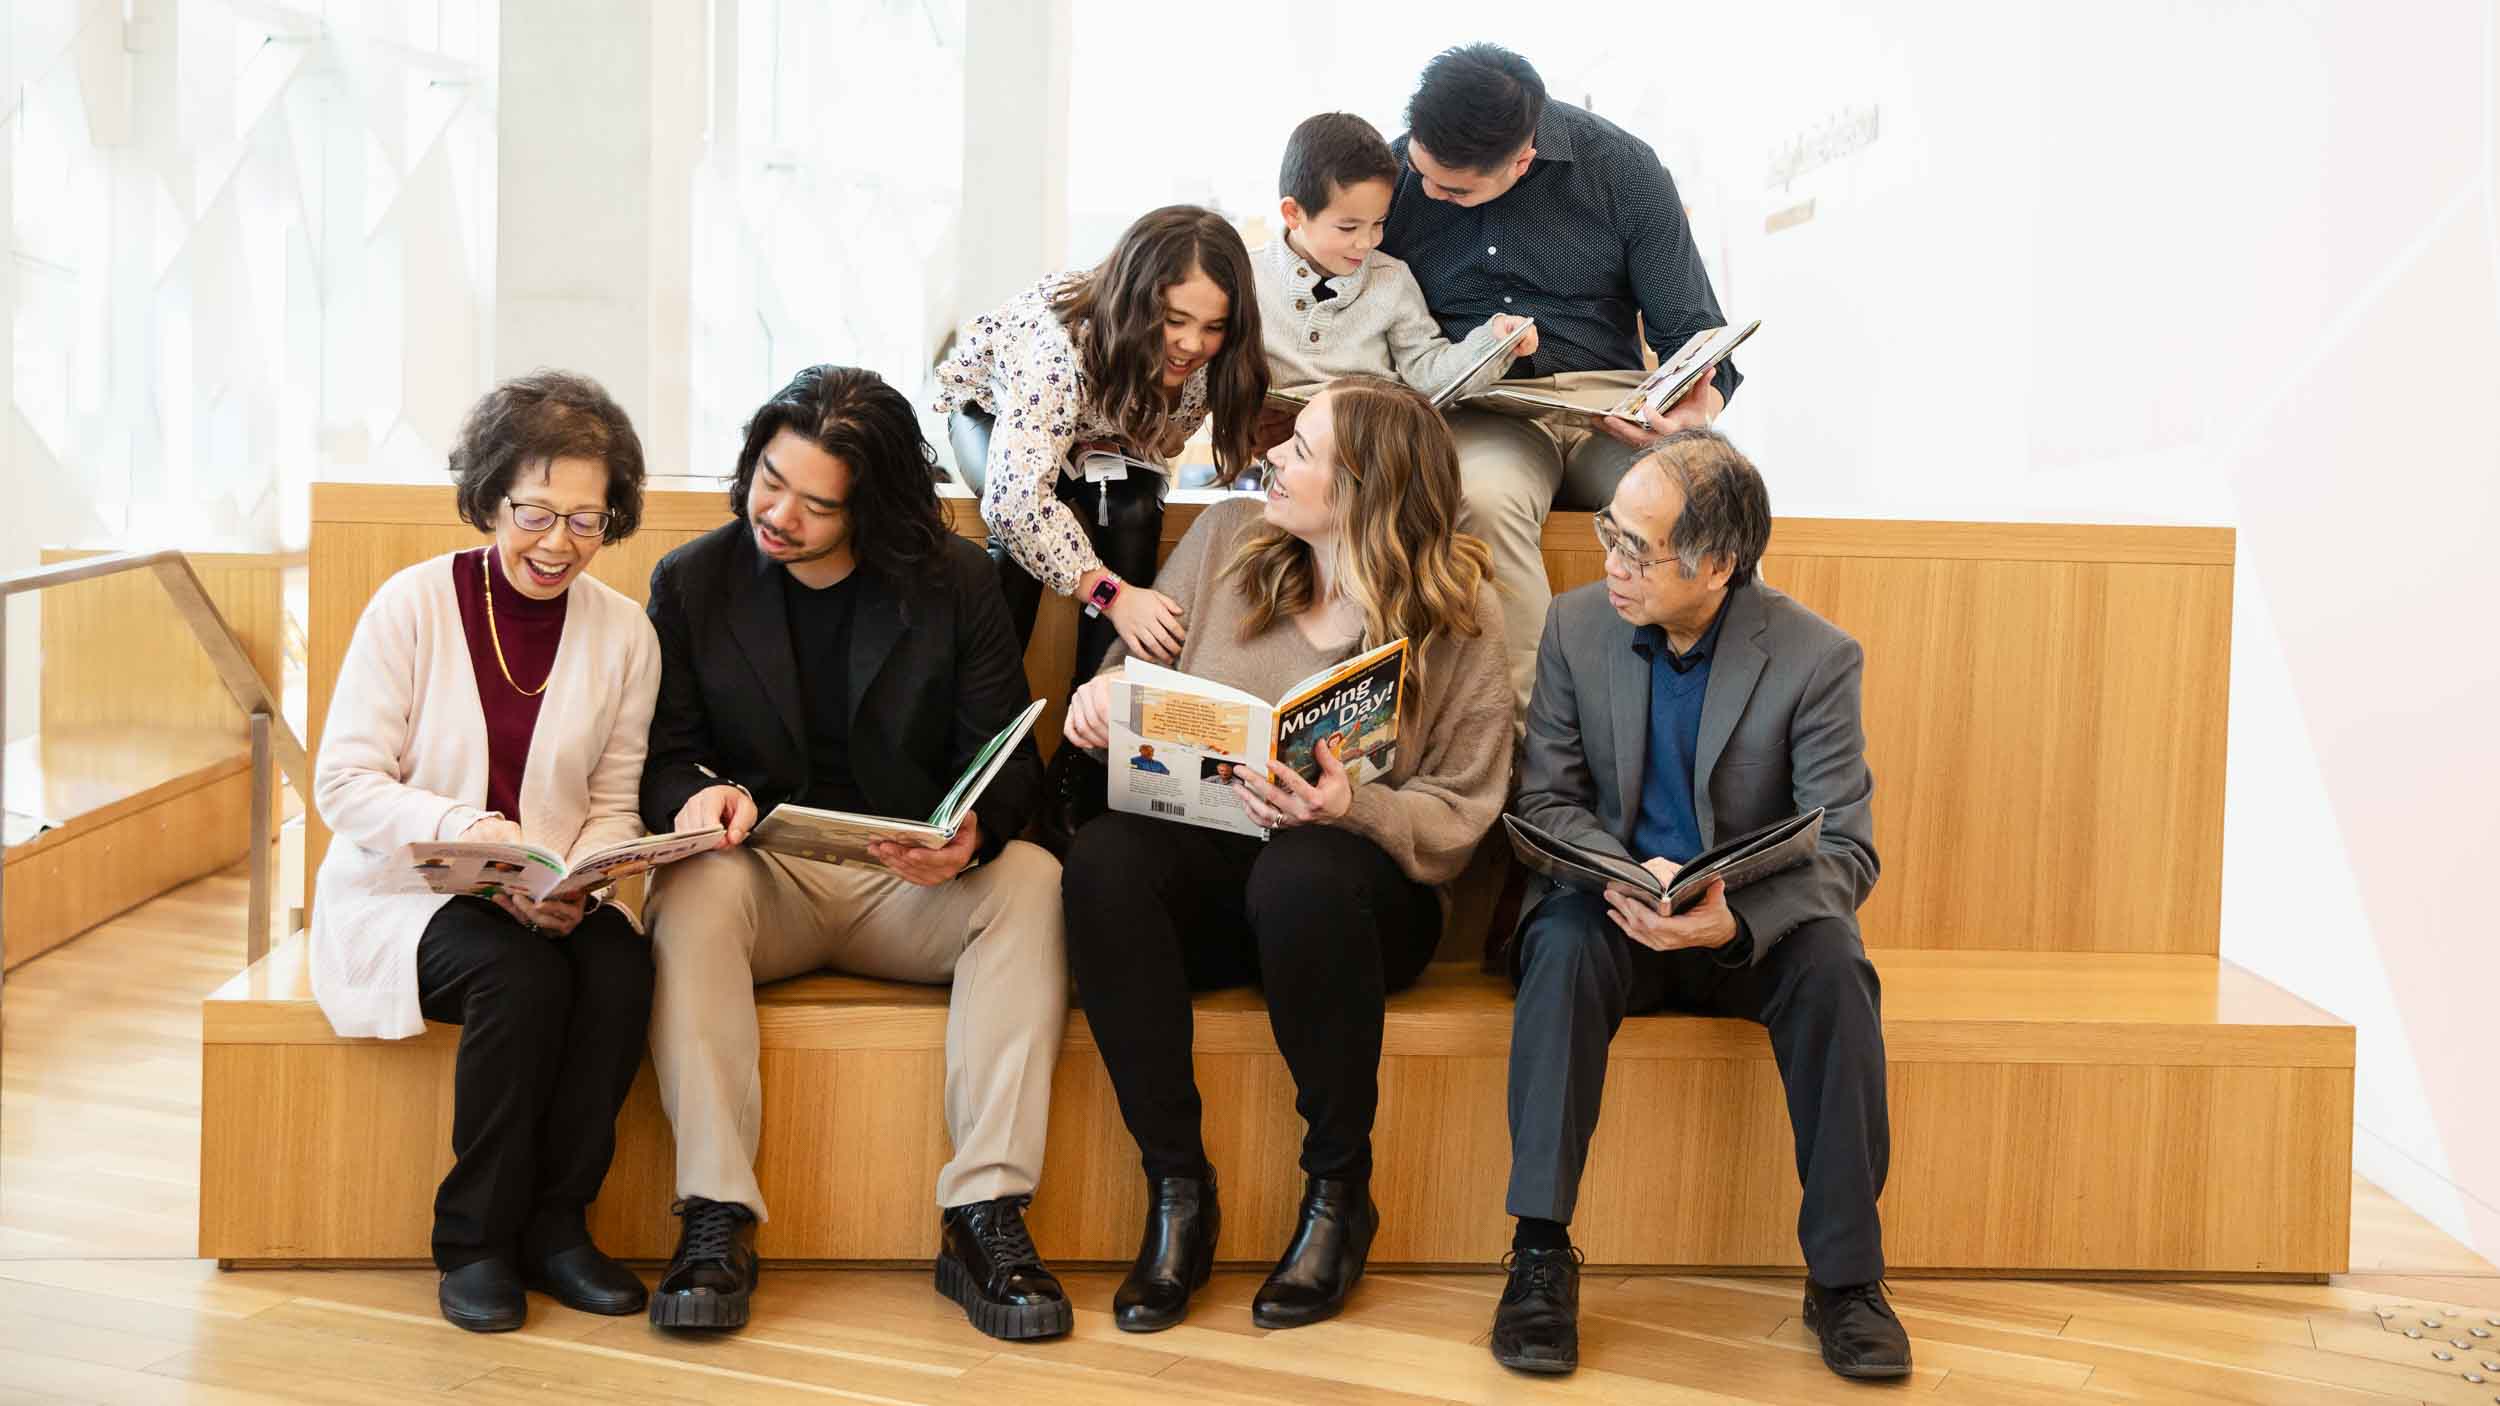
column 1167, row 808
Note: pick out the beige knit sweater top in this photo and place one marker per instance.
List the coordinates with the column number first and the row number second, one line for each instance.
column 1452, row 768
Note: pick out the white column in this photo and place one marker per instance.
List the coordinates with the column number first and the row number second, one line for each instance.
column 1015, row 203
column 587, row 211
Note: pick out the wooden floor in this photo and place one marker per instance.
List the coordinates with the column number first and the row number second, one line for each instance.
column 100, row 1301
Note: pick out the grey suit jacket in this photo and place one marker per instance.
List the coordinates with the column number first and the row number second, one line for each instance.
column 1780, row 735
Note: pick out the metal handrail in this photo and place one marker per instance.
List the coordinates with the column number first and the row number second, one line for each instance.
column 272, row 738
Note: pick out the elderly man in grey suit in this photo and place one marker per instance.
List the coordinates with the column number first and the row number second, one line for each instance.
column 1680, row 701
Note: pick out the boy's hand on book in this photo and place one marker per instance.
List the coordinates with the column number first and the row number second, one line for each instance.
column 728, row 807
column 1709, row 923
column 931, row 867
column 1287, row 800
column 1525, row 346
column 1089, row 713
column 492, row 830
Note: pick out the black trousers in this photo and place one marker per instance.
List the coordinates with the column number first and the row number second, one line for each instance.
column 1123, row 519
column 1320, row 918
column 1579, row 976
column 551, row 1032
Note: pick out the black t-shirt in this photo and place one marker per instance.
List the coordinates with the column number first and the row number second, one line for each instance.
column 820, row 639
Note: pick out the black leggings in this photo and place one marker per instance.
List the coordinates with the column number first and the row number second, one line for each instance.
column 551, row 1034
column 1123, row 519
column 1320, row 918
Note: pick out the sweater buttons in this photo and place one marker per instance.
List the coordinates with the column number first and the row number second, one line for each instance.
column 1301, row 304
column 1315, row 336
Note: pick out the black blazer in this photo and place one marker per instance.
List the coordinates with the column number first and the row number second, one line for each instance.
column 935, row 673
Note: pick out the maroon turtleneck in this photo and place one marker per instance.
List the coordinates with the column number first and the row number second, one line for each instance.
column 530, row 630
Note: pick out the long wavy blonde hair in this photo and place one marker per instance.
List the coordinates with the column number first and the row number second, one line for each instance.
column 1394, row 492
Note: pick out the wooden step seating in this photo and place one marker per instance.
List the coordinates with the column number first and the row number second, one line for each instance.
column 2079, row 1084
column 2110, row 1111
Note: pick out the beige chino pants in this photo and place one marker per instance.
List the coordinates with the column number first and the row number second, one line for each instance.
column 1510, row 473
column 722, row 923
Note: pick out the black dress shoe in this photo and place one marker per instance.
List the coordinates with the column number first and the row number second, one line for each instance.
column 1174, row 1255
column 484, row 1296
column 585, row 1279
column 1537, row 1326
column 1325, row 1260
column 708, row 1283
column 987, row 1264
column 1861, row 1337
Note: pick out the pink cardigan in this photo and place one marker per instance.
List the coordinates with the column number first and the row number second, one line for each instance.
column 403, row 758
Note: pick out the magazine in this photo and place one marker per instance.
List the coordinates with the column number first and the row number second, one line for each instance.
column 1295, row 397
column 1177, row 740
column 488, row 868
column 841, row 837
column 1736, row 862
column 1660, row 389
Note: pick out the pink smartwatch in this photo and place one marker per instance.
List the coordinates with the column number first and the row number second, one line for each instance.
column 1104, row 593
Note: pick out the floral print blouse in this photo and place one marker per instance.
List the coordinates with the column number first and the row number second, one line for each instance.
column 1020, row 365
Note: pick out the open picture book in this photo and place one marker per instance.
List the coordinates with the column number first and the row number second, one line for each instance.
column 1295, row 397
column 488, row 868
column 1736, row 862
column 841, row 837
column 1660, row 389
column 1177, row 740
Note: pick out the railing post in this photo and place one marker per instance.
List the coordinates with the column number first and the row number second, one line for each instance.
column 256, row 936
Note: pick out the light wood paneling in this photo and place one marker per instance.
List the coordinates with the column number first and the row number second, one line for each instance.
column 2007, row 1083
column 2045, row 703
column 146, row 810
column 116, row 651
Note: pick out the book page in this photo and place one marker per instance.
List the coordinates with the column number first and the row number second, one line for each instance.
column 614, row 862
column 476, row 868
column 835, row 836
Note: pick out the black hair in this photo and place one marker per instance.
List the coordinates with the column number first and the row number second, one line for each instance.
column 897, row 524
column 1476, row 106
column 532, row 419
column 1329, row 153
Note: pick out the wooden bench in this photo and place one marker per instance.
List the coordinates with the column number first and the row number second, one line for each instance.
column 2079, row 1084
column 2067, row 1112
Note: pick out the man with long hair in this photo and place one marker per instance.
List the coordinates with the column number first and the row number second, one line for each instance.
column 838, row 647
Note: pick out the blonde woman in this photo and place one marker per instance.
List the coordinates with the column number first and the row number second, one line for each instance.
column 1353, row 547
column 498, row 694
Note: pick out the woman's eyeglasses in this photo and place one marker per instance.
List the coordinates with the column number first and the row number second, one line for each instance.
column 533, row 517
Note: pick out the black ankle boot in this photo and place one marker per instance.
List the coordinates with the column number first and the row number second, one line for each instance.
column 987, row 1264
column 1325, row 1260
column 709, row 1282
column 1174, row 1255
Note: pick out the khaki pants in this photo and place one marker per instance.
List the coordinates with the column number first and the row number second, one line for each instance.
column 722, row 923
column 1510, row 474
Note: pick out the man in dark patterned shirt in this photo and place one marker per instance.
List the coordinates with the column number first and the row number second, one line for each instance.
column 1509, row 203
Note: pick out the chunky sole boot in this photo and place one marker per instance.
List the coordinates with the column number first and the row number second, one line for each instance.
column 1013, row 1322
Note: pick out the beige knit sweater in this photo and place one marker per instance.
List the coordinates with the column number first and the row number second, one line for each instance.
column 1453, row 755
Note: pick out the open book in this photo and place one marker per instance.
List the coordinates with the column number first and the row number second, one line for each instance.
column 1177, row 739
column 839, row 836
column 1736, row 862
column 486, row 868
column 1295, row 397
column 1660, row 389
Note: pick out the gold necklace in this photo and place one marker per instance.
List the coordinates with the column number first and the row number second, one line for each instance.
column 486, row 568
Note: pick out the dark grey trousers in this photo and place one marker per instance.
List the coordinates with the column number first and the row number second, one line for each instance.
column 1579, row 976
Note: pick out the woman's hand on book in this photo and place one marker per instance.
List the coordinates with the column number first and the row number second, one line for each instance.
column 1287, row 800
column 729, row 807
column 931, row 867
column 492, row 830
column 1709, row 923
column 1089, row 713
column 553, row 917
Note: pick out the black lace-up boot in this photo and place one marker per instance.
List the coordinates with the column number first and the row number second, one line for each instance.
column 708, row 1283
column 988, row 1266
column 1537, row 1326
column 1861, row 1336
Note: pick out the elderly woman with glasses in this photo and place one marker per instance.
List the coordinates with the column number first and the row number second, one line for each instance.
column 499, row 694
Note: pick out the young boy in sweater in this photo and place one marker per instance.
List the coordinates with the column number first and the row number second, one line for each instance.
column 1330, row 303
